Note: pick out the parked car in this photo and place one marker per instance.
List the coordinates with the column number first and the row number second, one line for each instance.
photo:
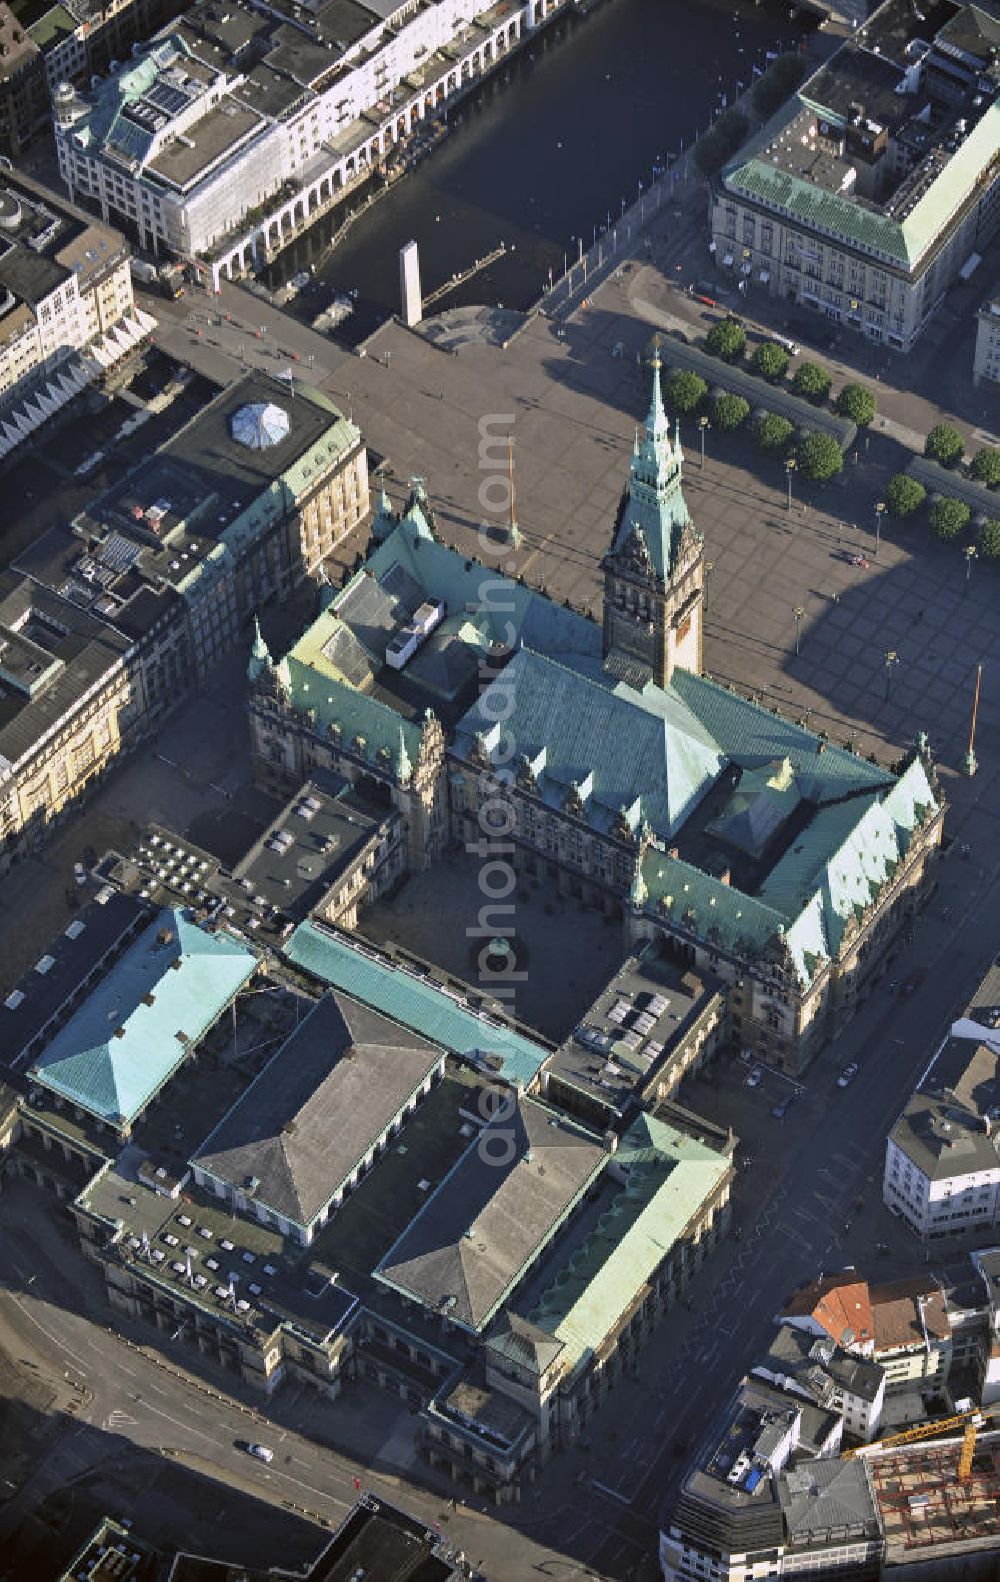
column 781, row 1110
column 755, row 1078
column 848, row 1074
column 261, row 1452
column 913, row 981
column 79, row 873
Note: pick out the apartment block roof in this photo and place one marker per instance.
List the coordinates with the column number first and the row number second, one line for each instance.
column 414, row 1002
column 135, row 1029
column 818, row 1368
column 875, row 1319
column 820, row 1498
column 495, row 1211
column 951, row 1124
column 839, row 1304
column 72, row 650
column 319, row 1106
column 59, row 976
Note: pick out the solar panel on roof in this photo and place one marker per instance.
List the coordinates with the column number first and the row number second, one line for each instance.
column 118, row 553
column 403, row 587
column 345, row 652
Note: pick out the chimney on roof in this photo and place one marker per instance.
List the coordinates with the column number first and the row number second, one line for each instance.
column 725, row 877
column 672, row 851
column 119, row 1032
column 164, row 936
column 148, row 999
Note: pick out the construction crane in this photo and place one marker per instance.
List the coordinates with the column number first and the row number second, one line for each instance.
column 968, row 1449
column 971, row 1421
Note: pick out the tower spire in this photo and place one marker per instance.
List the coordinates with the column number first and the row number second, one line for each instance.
column 657, row 428
column 260, row 654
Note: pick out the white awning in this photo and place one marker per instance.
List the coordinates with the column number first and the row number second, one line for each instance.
column 728, row 260
column 764, row 276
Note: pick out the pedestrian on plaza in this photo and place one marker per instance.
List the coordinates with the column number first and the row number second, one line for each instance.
column 919, row 616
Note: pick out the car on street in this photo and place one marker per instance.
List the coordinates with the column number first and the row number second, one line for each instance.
column 781, row 1110
column 848, row 1074
column 755, row 1078
column 79, row 873
column 259, row 1452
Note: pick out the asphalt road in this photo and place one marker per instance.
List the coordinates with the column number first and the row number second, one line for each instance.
column 135, row 1405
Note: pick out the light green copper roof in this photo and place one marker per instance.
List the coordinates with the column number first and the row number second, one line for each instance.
column 620, row 746
column 670, row 1177
column 125, row 1040
column 655, row 511
column 314, row 682
column 855, row 221
column 841, row 860
column 687, row 896
column 504, row 611
column 416, row 1004
column 753, row 737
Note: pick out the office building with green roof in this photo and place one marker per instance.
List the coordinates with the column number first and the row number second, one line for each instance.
column 876, row 185
column 750, row 847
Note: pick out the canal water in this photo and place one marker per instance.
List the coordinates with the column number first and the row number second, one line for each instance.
column 547, row 151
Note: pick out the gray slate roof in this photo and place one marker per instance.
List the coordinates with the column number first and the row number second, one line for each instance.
column 317, row 1107
column 493, row 1213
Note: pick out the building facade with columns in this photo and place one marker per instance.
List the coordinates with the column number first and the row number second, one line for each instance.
column 232, row 132
column 597, row 760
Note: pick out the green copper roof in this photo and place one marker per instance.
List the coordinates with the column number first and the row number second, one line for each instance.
column 857, row 222
column 416, row 1004
column 133, row 1031
column 502, row 610
column 835, row 868
column 621, row 748
column 655, row 512
column 315, row 682
column 670, row 1177
column 753, row 737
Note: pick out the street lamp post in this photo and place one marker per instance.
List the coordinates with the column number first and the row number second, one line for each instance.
column 798, row 613
column 789, row 469
column 891, row 661
column 970, row 555
column 880, row 509
column 703, row 425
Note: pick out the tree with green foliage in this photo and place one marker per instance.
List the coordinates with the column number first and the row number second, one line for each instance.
column 770, row 361
column 812, row 381
column 945, row 445
column 729, row 411
column 684, row 391
column 989, row 540
column 711, row 153
column 819, row 457
column 774, row 431
column 734, row 127
column 949, row 518
column 781, row 79
column 985, row 466
column 904, row 495
column 727, row 339
column 858, row 403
